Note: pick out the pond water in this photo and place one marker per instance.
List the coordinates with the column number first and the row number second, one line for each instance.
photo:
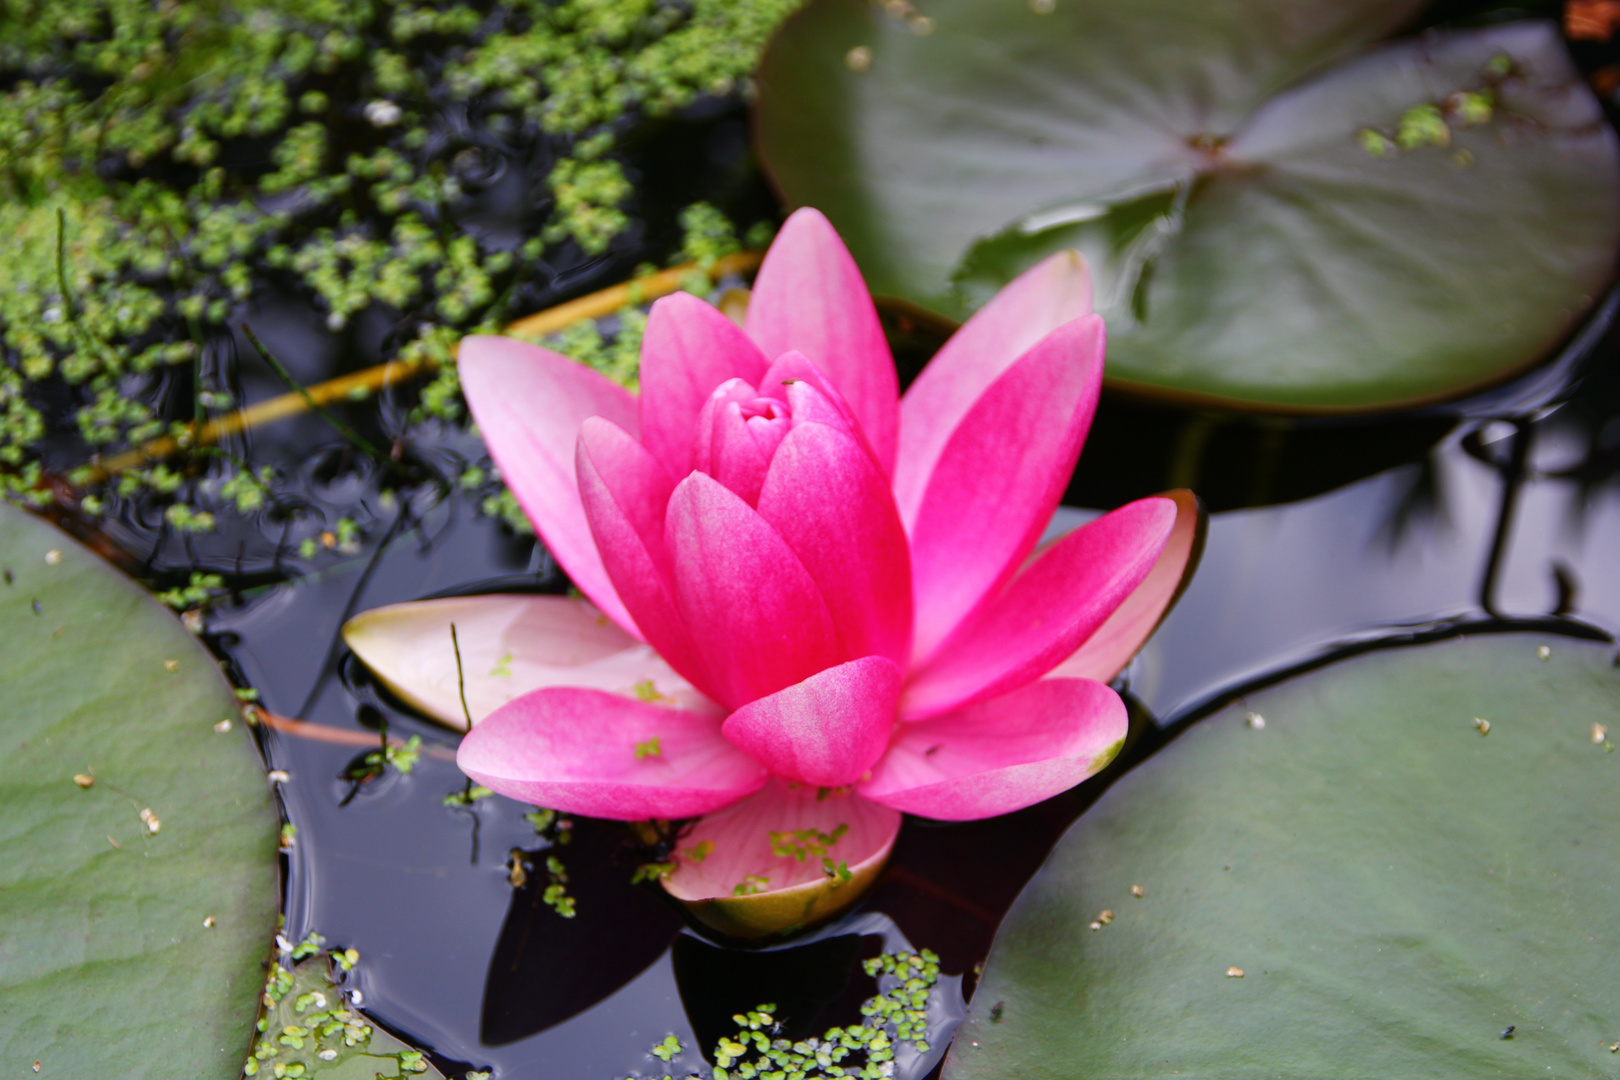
column 1498, row 512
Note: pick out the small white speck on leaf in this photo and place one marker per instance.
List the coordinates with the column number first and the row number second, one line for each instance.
column 1234, row 973
column 150, row 820
column 52, row 557
column 223, row 726
column 84, row 780
column 1256, row 721
column 1138, row 892
column 1482, row 725
column 1544, row 652
column 858, row 59
column 208, row 921
column 171, row 666
column 278, row 776
column 1599, row 733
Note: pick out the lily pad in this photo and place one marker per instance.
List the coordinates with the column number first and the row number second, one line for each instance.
column 138, row 887
column 1271, row 224
column 1403, row 864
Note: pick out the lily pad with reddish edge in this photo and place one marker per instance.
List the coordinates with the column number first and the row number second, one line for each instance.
column 1276, row 218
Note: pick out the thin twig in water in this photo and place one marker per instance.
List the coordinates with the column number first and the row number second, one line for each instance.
column 359, row 441
column 360, row 383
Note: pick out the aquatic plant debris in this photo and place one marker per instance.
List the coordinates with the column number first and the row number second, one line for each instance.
column 898, row 1014
column 136, row 229
column 310, row 1026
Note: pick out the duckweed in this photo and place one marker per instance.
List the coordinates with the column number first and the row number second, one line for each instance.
column 161, row 165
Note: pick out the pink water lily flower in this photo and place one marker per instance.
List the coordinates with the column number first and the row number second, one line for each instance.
column 820, row 604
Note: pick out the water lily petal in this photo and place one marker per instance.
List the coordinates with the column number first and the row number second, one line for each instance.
column 1000, row 476
column 1041, row 299
column 601, row 755
column 754, row 612
column 1054, row 604
column 1000, row 755
column 689, row 348
column 827, row 730
column 810, row 297
column 509, row 646
column 826, row 498
column 1105, row 654
column 529, row 403
column 625, row 492
column 778, row 839
column 737, row 434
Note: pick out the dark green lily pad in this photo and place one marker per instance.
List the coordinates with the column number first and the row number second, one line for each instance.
column 1361, row 884
column 1271, row 225
column 136, row 913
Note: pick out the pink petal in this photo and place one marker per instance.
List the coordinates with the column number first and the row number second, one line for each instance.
column 689, row 348
column 1054, row 604
column 1000, row 477
column 577, row 751
column 1105, row 654
column 754, row 613
column 509, row 646
column 739, row 849
column 1000, row 755
column 1038, row 301
column 529, row 403
column 826, row 498
column 827, row 730
column 625, row 493
column 810, row 297
column 793, row 379
column 737, row 437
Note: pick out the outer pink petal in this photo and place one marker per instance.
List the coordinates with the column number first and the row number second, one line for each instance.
column 1000, row 477
column 1105, row 654
column 625, row 493
column 577, row 751
column 1000, row 755
column 827, row 730
column 1055, row 603
column 529, row 403
column 755, row 615
column 689, row 349
column 738, row 841
column 810, row 297
column 827, row 500
column 1038, row 301
column 509, row 645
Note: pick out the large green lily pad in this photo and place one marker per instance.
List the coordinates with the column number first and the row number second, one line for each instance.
column 1396, row 889
column 130, row 945
column 1276, row 219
